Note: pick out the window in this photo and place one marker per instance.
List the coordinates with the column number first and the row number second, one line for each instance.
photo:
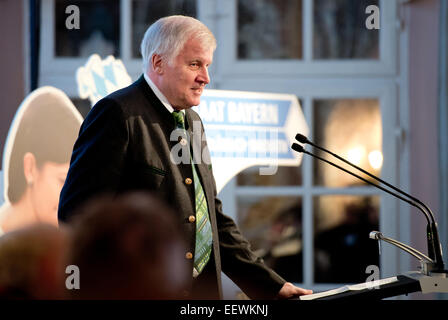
column 350, row 128
column 281, row 38
column 309, row 222
column 273, row 226
column 273, row 29
column 99, row 30
column 342, row 247
column 145, row 12
column 113, row 27
column 339, row 30
column 306, row 37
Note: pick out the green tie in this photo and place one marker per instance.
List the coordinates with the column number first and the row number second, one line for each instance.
column 203, row 228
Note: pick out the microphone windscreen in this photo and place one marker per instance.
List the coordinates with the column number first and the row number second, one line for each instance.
column 301, row 138
column 297, row 147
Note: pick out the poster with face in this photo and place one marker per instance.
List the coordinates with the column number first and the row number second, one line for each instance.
column 36, row 158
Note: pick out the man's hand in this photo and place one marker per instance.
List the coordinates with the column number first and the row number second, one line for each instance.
column 289, row 291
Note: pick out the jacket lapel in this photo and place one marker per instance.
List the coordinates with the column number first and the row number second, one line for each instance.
column 195, row 132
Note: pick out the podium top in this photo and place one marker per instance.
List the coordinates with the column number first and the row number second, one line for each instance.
column 372, row 290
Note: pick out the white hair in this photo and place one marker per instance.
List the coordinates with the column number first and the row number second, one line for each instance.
column 168, row 35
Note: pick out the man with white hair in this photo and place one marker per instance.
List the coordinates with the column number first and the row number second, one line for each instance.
column 131, row 140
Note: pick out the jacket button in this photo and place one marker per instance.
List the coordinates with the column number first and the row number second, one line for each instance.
column 189, row 255
column 192, row 219
column 188, row 181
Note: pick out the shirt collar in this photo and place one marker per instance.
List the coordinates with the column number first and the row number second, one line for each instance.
column 159, row 94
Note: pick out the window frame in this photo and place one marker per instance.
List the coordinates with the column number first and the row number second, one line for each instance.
column 229, row 65
column 220, row 16
column 60, row 71
column 386, row 93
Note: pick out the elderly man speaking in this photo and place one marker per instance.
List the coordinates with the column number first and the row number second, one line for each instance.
column 138, row 138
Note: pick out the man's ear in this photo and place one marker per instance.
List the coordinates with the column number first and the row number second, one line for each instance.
column 29, row 167
column 157, row 63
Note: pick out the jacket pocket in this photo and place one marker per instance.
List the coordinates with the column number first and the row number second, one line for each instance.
column 154, row 170
column 147, row 177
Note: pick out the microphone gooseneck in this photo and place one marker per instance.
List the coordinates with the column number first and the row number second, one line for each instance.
column 426, row 211
column 376, row 235
column 434, row 246
column 299, row 148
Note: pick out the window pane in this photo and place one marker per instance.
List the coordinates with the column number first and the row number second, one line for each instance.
column 269, row 29
column 342, row 247
column 352, row 129
column 145, row 12
column 99, row 29
column 273, row 226
column 340, row 32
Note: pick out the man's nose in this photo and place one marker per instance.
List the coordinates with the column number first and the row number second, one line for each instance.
column 203, row 76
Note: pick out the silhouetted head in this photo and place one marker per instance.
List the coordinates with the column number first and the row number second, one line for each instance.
column 33, row 262
column 129, row 247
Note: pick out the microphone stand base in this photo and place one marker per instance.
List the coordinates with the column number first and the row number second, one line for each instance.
column 436, row 282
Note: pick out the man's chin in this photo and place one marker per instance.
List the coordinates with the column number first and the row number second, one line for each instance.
column 188, row 103
column 194, row 102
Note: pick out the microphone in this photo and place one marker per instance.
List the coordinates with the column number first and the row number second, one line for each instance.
column 300, row 148
column 302, row 139
column 434, row 246
column 433, row 242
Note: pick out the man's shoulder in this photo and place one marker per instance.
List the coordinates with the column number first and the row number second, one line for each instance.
column 193, row 115
column 127, row 100
column 126, row 95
